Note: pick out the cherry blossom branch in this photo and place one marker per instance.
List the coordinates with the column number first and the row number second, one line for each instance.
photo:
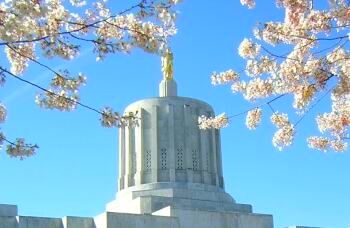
column 18, row 148
column 330, row 38
column 332, row 46
column 297, row 60
column 322, row 37
column 313, row 106
column 117, row 26
column 340, row 26
column 90, row 40
column 36, row 61
column 141, row 5
column 57, row 95
column 257, row 106
column 3, row 138
column 313, row 39
column 279, row 56
column 130, row 30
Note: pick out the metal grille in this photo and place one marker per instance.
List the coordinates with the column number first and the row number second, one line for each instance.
column 148, row 161
column 179, row 158
column 163, row 156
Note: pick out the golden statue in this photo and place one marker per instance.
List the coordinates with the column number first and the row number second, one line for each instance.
column 167, row 65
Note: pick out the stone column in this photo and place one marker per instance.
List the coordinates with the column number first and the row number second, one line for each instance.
column 219, row 158
column 154, row 144
column 204, row 156
column 214, row 162
column 171, row 140
column 139, row 148
column 121, row 157
column 128, row 155
column 188, row 143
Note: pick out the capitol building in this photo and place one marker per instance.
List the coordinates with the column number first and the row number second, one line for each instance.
column 170, row 174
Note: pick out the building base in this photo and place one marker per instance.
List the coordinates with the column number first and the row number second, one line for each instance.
column 169, row 217
column 193, row 205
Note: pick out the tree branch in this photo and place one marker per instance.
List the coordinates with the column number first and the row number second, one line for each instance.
column 57, row 95
column 141, row 5
column 36, row 61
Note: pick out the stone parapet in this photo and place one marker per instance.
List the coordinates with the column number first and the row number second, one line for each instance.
column 190, row 218
column 178, row 216
column 8, row 210
column 104, row 220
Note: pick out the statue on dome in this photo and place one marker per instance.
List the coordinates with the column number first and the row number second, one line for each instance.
column 167, row 65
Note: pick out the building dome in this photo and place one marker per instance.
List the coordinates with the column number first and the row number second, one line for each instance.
column 166, row 160
column 168, row 146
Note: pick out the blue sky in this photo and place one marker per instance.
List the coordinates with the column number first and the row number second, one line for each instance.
column 75, row 170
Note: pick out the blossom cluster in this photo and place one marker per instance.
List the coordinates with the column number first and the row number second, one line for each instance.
column 61, row 100
column 216, row 122
column 333, row 122
column 63, row 93
column 224, row 77
column 255, row 89
column 253, row 118
column 249, row 3
column 21, row 149
column 285, row 131
column 2, row 113
column 256, row 67
column 248, row 49
column 324, row 144
column 303, row 96
column 110, row 118
column 305, row 55
column 18, row 148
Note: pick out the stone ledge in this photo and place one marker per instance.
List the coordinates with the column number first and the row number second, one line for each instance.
column 8, row 210
column 190, row 218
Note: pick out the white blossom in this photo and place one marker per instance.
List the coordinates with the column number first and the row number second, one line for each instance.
column 2, row 113
column 78, row 3
column 280, row 120
column 248, row 49
column 253, row 118
column 110, row 118
column 224, row 77
column 319, row 143
column 283, row 137
column 21, row 149
column 216, row 122
column 249, row 3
